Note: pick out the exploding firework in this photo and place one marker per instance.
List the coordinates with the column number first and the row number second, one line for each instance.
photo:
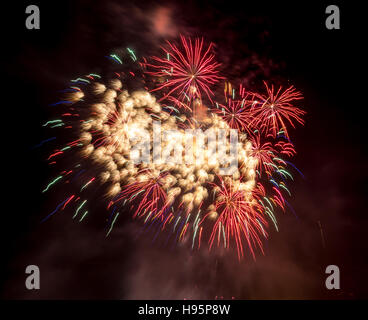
column 273, row 111
column 187, row 71
column 235, row 114
column 238, row 214
column 136, row 151
column 264, row 153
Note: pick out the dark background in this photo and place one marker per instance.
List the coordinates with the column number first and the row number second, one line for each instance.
column 283, row 42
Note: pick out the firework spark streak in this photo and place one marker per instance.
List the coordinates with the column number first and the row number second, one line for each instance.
column 192, row 202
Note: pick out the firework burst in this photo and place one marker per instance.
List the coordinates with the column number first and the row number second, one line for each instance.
column 273, row 111
column 235, row 113
column 193, row 201
column 264, row 153
column 238, row 217
column 187, row 72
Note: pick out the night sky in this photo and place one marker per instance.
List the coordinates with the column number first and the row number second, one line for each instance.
column 284, row 43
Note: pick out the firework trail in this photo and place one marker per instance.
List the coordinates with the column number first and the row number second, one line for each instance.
column 190, row 202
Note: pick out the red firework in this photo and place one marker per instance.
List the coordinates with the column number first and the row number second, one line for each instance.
column 237, row 217
column 286, row 148
column 271, row 111
column 235, row 113
column 264, row 153
column 150, row 193
column 187, row 71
